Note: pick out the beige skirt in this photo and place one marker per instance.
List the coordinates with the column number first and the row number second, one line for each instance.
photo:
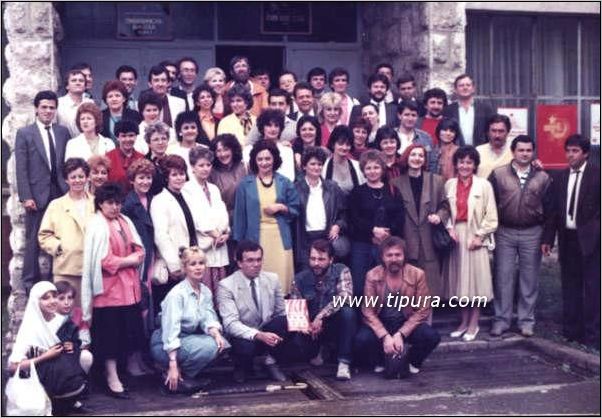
column 275, row 258
column 467, row 273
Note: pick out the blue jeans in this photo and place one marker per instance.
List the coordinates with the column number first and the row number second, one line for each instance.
column 338, row 329
column 364, row 256
column 195, row 353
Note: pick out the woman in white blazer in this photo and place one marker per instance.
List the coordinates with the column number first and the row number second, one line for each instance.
column 210, row 216
column 173, row 224
column 472, row 224
column 89, row 143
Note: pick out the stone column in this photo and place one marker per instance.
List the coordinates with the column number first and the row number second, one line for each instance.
column 33, row 30
column 426, row 40
column 396, row 33
column 447, row 43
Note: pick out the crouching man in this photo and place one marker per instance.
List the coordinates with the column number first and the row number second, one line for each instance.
column 331, row 323
column 251, row 304
column 389, row 328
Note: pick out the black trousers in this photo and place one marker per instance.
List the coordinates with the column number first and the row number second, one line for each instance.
column 243, row 350
column 31, row 266
column 369, row 348
column 580, row 278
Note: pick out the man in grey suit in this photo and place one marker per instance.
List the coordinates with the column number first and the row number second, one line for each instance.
column 39, row 154
column 251, row 304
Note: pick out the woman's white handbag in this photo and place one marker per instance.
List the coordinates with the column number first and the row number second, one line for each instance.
column 26, row 396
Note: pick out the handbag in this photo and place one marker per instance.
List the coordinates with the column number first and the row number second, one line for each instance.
column 442, row 241
column 160, row 272
column 26, row 396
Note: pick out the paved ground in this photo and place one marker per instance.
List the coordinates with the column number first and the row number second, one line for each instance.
column 505, row 376
column 491, row 376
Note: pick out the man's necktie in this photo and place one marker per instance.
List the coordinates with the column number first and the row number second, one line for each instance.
column 52, row 154
column 254, row 293
column 573, row 194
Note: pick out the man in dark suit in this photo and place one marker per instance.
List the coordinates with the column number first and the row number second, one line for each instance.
column 576, row 219
column 378, row 85
column 188, row 71
column 39, row 155
column 471, row 114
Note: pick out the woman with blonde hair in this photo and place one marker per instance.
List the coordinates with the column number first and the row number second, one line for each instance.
column 190, row 336
column 216, row 78
column 100, row 166
column 329, row 114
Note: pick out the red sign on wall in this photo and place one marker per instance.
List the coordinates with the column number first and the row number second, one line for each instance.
column 555, row 123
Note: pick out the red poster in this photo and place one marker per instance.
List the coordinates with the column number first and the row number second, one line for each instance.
column 555, row 123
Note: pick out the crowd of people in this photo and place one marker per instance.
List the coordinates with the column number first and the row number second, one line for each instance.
column 181, row 222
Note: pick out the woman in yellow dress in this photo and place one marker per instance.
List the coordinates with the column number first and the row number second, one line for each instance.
column 265, row 207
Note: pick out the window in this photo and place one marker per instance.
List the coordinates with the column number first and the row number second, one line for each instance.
column 520, row 60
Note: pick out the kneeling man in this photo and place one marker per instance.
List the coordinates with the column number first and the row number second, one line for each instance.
column 331, row 323
column 388, row 326
column 251, row 304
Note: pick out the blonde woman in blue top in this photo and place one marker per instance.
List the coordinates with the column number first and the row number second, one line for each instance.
column 190, row 336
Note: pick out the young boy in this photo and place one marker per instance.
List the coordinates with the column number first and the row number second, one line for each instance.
column 68, row 332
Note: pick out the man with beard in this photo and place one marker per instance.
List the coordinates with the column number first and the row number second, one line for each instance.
column 435, row 101
column 331, row 324
column 378, row 85
column 393, row 321
column 240, row 71
column 386, row 69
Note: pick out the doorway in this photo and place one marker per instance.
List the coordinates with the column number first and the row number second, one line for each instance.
column 270, row 58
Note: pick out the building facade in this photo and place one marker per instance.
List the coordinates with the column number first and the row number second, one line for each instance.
column 521, row 54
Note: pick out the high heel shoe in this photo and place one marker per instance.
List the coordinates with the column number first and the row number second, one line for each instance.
column 470, row 337
column 118, row 395
column 458, row 333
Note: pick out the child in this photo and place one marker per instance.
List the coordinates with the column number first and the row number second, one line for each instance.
column 37, row 342
column 69, row 330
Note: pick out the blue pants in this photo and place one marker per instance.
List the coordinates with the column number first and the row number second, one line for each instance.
column 364, row 256
column 339, row 329
column 423, row 341
column 195, row 353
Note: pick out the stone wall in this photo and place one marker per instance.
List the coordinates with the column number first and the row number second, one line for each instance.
column 447, row 43
column 32, row 30
column 423, row 39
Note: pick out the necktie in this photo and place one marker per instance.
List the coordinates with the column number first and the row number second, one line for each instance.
column 166, row 112
column 254, row 293
column 246, row 123
column 573, row 194
column 52, row 154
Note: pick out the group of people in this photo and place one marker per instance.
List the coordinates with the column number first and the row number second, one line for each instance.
column 180, row 224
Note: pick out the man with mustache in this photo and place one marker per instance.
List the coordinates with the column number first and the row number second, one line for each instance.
column 320, row 284
column 387, row 326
